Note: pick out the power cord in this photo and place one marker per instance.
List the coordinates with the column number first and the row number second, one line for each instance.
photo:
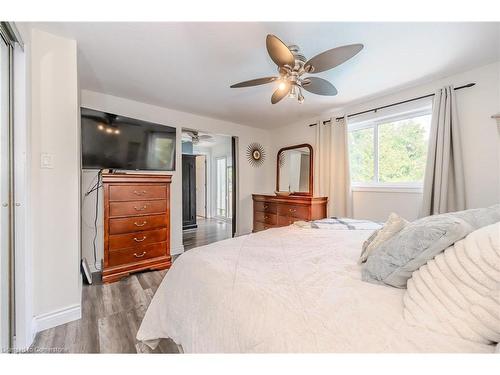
column 96, row 188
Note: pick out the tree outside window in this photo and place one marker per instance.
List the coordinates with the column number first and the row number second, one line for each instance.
column 390, row 152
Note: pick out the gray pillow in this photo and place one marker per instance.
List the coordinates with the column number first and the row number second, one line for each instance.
column 392, row 226
column 480, row 217
column 394, row 261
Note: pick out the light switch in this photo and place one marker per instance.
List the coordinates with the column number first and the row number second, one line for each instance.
column 46, row 160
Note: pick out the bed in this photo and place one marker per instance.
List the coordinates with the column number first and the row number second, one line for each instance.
column 291, row 289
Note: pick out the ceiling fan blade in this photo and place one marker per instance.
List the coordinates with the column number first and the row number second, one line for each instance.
column 331, row 58
column 279, row 94
column 254, row 82
column 279, row 52
column 319, row 86
column 206, row 137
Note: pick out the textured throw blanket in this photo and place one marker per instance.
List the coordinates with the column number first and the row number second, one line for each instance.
column 339, row 224
column 458, row 292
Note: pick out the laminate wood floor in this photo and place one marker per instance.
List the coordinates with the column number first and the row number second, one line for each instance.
column 112, row 313
column 209, row 230
column 111, row 316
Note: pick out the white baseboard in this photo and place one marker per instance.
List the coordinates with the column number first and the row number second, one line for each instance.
column 238, row 234
column 177, row 250
column 56, row 318
column 93, row 268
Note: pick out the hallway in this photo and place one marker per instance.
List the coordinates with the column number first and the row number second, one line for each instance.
column 208, row 231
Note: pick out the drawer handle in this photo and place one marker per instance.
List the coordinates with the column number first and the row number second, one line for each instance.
column 139, row 240
column 141, row 208
column 140, row 225
column 292, row 210
column 266, row 217
column 141, row 192
column 266, row 206
column 140, row 255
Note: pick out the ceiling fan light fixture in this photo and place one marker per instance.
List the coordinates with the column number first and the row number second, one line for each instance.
column 292, row 65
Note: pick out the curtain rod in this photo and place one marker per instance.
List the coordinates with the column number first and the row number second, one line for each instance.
column 392, row 105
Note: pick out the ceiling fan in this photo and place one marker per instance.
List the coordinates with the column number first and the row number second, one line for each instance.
column 197, row 137
column 292, row 65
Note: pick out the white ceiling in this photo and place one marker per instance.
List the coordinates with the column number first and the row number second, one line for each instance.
column 190, row 66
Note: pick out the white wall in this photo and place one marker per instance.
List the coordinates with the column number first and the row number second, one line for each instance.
column 377, row 205
column 54, row 192
column 251, row 179
column 479, row 138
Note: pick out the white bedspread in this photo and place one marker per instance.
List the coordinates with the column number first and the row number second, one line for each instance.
column 284, row 290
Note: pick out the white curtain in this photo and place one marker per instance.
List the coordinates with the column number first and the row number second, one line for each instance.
column 444, row 184
column 331, row 167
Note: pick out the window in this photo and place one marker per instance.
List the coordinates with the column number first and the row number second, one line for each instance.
column 390, row 152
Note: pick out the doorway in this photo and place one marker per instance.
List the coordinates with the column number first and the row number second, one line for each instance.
column 208, row 184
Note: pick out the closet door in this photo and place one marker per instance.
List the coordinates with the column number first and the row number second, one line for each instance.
column 5, row 197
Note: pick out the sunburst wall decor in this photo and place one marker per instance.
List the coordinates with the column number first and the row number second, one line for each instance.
column 255, row 154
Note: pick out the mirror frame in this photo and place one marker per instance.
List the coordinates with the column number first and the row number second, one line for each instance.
column 311, row 170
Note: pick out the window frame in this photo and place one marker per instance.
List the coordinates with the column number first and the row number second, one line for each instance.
column 374, row 123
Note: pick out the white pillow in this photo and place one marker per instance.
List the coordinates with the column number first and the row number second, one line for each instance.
column 458, row 292
column 392, row 226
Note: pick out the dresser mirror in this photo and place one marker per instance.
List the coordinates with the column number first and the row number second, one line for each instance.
column 295, row 170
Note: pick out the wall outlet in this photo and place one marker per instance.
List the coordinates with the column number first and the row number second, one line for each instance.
column 46, row 160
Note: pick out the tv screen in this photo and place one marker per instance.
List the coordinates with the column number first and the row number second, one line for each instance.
column 119, row 142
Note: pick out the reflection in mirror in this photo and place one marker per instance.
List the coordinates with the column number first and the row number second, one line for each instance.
column 294, row 170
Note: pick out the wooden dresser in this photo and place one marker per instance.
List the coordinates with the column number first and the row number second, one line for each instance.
column 136, row 224
column 271, row 211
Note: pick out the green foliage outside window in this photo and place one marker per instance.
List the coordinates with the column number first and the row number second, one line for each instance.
column 361, row 155
column 402, row 151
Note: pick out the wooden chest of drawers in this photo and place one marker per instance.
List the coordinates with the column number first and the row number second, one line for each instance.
column 271, row 211
column 136, row 224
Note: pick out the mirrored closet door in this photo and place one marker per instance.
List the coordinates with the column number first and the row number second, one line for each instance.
column 5, row 196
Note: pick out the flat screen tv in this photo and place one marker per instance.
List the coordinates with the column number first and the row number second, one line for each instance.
column 112, row 141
